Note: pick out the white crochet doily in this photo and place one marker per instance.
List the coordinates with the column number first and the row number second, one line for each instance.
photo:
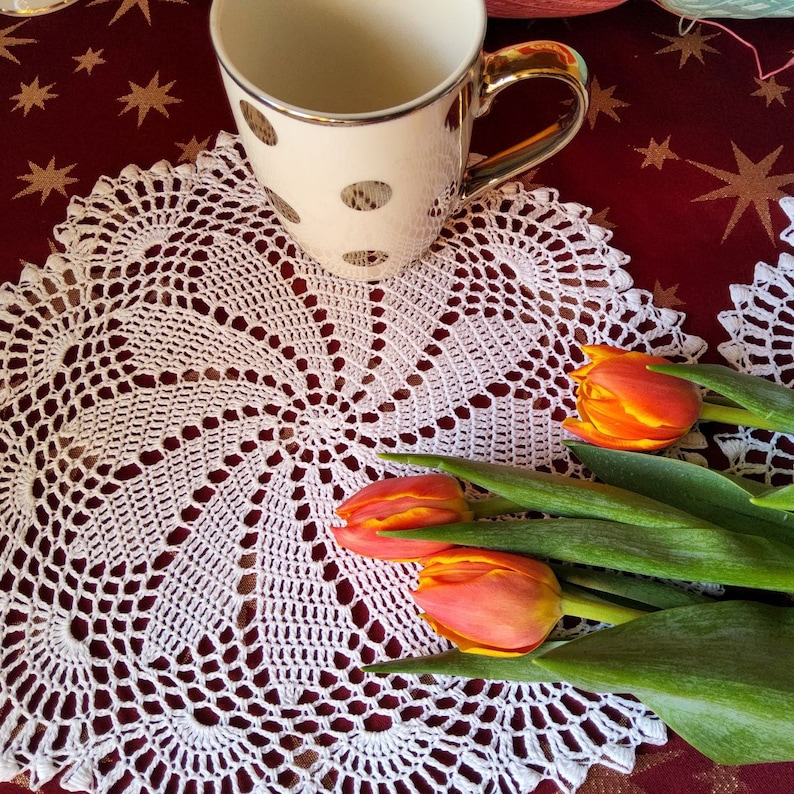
column 185, row 398
column 761, row 331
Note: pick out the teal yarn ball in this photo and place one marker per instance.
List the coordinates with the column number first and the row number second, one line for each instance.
column 730, row 9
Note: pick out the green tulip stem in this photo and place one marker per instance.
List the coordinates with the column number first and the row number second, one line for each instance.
column 730, row 415
column 493, row 506
column 577, row 603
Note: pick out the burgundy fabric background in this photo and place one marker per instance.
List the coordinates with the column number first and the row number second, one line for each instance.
column 684, row 155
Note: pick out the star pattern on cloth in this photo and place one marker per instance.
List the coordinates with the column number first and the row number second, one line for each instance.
column 528, row 179
column 602, row 101
column 600, row 219
column 7, row 41
column 752, row 184
column 126, row 5
column 602, row 780
column 770, row 91
column 88, row 60
column 723, row 780
column 45, row 180
column 693, row 44
column 32, row 95
column 656, row 153
column 151, row 97
column 666, row 298
column 191, row 149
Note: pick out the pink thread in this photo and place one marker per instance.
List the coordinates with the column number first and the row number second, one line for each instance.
column 759, row 68
column 547, row 8
column 761, row 74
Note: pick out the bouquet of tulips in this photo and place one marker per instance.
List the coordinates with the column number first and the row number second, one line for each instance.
column 717, row 670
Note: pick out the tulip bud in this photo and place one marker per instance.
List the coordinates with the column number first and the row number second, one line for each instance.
column 400, row 503
column 489, row 602
column 622, row 405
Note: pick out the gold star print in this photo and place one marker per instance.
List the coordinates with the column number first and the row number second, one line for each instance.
column 191, row 149
column 600, row 219
column 528, row 179
column 89, row 60
column 602, row 101
column 45, row 180
column 602, row 780
column 153, row 96
column 723, row 780
column 691, row 45
column 666, row 298
column 656, row 153
column 7, row 41
column 770, row 91
column 752, row 184
column 33, row 95
column 126, row 5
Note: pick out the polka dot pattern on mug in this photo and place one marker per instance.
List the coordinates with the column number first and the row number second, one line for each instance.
column 285, row 210
column 364, row 227
column 367, row 196
column 365, row 258
column 258, row 123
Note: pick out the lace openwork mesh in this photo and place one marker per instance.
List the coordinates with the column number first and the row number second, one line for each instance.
column 185, row 398
column 761, row 331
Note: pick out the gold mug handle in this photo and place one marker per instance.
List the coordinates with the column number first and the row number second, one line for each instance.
column 505, row 67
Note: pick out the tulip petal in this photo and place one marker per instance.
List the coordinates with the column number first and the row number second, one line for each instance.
column 654, row 399
column 400, row 503
column 491, row 559
column 611, row 419
column 467, row 645
column 623, row 405
column 587, row 431
column 599, row 353
column 417, row 488
column 370, row 544
column 425, row 515
column 499, row 609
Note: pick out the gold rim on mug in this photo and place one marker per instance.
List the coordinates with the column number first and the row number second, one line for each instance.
column 23, row 8
column 451, row 82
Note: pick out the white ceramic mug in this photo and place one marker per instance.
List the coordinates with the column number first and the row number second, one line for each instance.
column 356, row 117
column 27, row 8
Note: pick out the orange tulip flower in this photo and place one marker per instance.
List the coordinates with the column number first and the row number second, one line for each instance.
column 622, row 405
column 400, row 503
column 489, row 602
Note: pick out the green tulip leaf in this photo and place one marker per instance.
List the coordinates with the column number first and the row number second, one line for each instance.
column 629, row 588
column 474, row 665
column 771, row 403
column 555, row 493
column 698, row 554
column 725, row 500
column 718, row 674
column 779, row 499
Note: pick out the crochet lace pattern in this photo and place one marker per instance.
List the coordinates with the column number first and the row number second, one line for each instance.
column 761, row 331
column 185, row 399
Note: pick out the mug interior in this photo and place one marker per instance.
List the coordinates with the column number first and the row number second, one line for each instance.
column 347, row 57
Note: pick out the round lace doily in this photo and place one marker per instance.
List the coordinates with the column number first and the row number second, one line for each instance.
column 185, row 398
column 761, row 331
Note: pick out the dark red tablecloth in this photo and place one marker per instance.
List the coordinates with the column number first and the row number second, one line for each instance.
column 685, row 155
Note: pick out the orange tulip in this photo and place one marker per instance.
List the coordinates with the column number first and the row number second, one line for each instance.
column 622, row 405
column 400, row 503
column 489, row 602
